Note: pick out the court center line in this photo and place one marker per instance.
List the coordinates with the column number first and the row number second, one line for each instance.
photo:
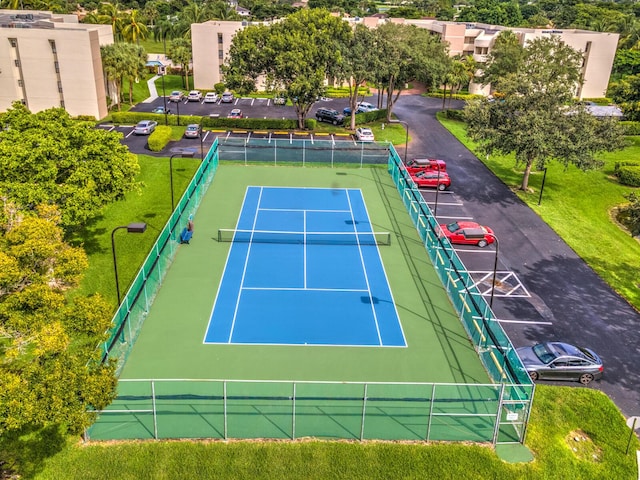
column 364, row 270
column 244, row 270
column 304, row 249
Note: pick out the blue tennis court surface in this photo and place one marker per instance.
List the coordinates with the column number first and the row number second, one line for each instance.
column 304, row 269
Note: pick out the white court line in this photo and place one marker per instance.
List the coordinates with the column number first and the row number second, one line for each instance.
column 297, row 289
column 457, row 217
column 528, row 322
column 304, row 249
column 244, row 271
column 364, row 269
column 300, row 210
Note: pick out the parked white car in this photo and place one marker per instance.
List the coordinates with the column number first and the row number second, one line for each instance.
column 211, row 97
column 364, row 134
column 194, row 96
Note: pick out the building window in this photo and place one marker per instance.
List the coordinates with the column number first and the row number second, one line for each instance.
column 23, row 101
column 469, row 39
column 220, row 39
column 53, row 46
column 220, row 54
column 60, row 87
column 20, row 83
column 13, row 42
column 62, row 103
column 17, row 62
column 57, row 65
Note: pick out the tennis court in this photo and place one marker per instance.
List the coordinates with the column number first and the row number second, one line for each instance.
column 396, row 357
column 304, row 268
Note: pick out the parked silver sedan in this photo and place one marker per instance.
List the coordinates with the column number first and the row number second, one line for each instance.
column 561, row 361
column 145, row 127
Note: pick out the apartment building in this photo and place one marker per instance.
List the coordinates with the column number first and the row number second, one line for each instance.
column 50, row 60
column 211, row 42
column 598, row 48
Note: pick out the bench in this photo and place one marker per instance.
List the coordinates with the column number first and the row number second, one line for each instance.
column 186, row 235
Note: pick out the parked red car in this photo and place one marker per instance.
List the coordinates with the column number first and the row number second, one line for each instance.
column 416, row 165
column 468, row 233
column 433, row 179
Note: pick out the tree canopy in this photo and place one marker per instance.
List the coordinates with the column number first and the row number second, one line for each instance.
column 535, row 116
column 49, row 158
column 294, row 56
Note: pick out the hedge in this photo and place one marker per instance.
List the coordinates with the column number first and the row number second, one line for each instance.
column 629, row 175
column 631, row 128
column 159, row 139
column 213, row 122
column 368, row 117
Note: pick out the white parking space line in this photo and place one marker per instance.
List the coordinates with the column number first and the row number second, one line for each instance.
column 507, row 284
column 129, row 134
column 451, row 204
column 475, row 250
column 252, row 101
column 206, row 135
column 527, row 322
column 457, row 217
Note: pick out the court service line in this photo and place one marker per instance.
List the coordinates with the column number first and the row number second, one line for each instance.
column 364, row 269
column 244, row 269
column 298, row 289
column 301, row 210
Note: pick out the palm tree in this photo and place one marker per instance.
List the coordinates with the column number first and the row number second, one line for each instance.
column 192, row 13
column 111, row 14
column 133, row 29
column 180, row 52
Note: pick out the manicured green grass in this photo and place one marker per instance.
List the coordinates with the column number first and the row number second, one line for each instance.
column 151, row 204
column 578, row 206
column 560, row 416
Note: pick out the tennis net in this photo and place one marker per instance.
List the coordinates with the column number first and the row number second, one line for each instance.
column 304, row 238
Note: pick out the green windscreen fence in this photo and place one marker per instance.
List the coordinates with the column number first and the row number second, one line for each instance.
column 181, row 408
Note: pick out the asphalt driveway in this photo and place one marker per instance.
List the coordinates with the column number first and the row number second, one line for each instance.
column 565, row 299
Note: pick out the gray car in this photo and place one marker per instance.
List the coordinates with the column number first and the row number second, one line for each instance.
column 145, row 127
column 561, row 361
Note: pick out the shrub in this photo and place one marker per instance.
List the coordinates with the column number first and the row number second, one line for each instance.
column 455, row 114
column 219, row 88
column 368, row 117
column 629, row 175
column 159, row 138
column 629, row 215
column 618, row 165
column 631, row 128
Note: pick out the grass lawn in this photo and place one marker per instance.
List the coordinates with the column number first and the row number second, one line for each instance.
column 578, row 206
column 574, row 433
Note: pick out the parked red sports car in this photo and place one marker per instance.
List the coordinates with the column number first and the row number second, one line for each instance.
column 468, row 233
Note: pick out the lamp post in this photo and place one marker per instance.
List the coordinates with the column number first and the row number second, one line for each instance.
column 480, row 233
column 164, row 98
column 201, row 139
column 138, row 227
column 435, row 207
column 544, row 177
column 178, row 110
column 406, row 141
column 183, row 154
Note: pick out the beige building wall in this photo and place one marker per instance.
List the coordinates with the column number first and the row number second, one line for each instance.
column 211, row 42
column 52, row 63
column 210, row 47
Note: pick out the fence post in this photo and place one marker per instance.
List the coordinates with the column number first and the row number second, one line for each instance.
column 433, row 397
column 364, row 408
column 293, row 419
column 155, row 413
column 224, row 396
column 498, row 414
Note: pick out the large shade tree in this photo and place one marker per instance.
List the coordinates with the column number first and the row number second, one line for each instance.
column 50, row 158
column 295, row 56
column 48, row 374
column 536, row 118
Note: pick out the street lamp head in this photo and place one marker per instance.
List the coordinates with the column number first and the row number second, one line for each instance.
column 136, row 227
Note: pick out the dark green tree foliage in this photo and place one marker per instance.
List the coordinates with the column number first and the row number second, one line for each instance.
column 47, row 341
column 626, row 93
column 408, row 53
column 505, row 59
column 532, row 119
column 493, row 12
column 49, row 158
column 630, row 213
column 295, row 56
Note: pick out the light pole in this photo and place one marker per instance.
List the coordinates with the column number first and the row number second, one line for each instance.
column 435, row 207
column 480, row 233
column 201, row 139
column 406, row 141
column 183, row 154
column 138, row 227
column 164, row 99
column 178, row 110
column 544, row 177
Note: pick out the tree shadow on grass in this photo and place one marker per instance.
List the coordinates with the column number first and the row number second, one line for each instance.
column 25, row 453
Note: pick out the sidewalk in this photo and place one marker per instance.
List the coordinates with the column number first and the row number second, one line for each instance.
column 153, row 92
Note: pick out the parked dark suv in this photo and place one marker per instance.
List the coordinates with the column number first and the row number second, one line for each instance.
column 330, row 115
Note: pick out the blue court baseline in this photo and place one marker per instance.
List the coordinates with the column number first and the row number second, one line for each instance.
column 299, row 289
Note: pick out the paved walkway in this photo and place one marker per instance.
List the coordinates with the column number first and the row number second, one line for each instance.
column 153, row 92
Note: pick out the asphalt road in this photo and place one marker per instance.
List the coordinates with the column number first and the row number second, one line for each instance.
column 546, row 291
column 549, row 293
